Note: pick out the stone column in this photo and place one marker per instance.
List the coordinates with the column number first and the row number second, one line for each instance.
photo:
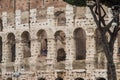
column 70, row 54
column 51, row 57
column 90, row 54
column 19, row 55
column 4, row 57
column 69, row 41
column 35, row 51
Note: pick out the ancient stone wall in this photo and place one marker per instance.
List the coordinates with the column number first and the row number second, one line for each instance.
column 45, row 42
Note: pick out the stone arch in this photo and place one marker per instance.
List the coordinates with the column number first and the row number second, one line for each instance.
column 99, row 56
column 100, row 78
column 26, row 44
column 60, row 17
column 11, row 46
column 80, row 43
column 59, row 78
column 42, row 39
column 79, row 78
column 9, row 78
column 0, row 49
column 41, row 79
column 60, row 45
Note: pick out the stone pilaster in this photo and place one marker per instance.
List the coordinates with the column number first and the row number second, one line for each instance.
column 33, row 16
column 4, row 57
column 17, row 19
column 69, row 15
column 51, row 54
column 35, row 51
column 116, row 60
column 19, row 55
column 87, row 14
column 50, row 16
column 4, row 20
column 90, row 52
column 70, row 53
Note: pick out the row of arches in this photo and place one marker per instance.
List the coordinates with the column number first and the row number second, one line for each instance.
column 63, row 79
column 60, row 39
column 59, row 78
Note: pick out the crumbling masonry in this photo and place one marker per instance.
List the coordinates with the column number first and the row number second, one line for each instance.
column 50, row 39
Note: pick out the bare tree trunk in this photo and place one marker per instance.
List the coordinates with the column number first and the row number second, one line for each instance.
column 107, row 45
column 111, row 70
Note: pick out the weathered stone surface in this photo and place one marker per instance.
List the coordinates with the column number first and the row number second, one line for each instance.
column 49, row 25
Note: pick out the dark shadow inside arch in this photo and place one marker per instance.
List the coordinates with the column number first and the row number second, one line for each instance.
column 42, row 39
column 80, row 43
column 61, row 55
column 0, row 49
column 9, row 78
column 60, row 45
column 79, row 79
column 11, row 44
column 26, row 44
column 41, row 79
column 100, row 79
column 59, row 78
column 13, row 49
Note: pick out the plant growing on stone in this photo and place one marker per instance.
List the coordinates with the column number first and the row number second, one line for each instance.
column 104, row 28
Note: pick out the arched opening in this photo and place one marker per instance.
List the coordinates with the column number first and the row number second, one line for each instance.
column 26, row 44
column 79, row 79
column 59, row 78
column 41, row 79
column 99, row 56
column 9, row 78
column 0, row 49
column 80, row 43
column 60, row 45
column 11, row 46
column 60, row 17
column 42, row 39
column 101, row 79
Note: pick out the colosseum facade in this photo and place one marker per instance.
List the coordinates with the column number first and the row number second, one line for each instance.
column 50, row 39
